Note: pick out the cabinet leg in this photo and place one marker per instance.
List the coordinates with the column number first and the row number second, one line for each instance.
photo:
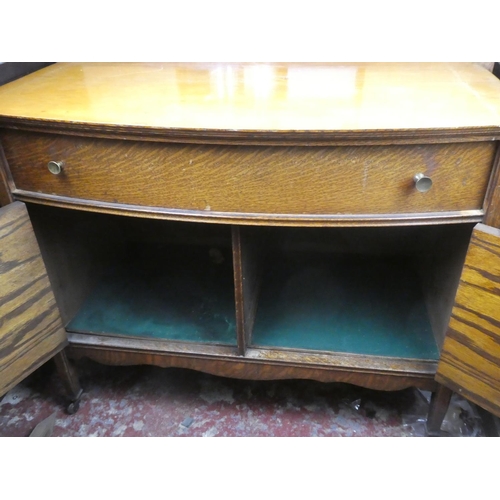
column 70, row 380
column 440, row 401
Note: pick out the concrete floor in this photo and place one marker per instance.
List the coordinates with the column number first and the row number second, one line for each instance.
column 150, row 401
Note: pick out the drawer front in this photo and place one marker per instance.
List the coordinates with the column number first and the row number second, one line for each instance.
column 253, row 179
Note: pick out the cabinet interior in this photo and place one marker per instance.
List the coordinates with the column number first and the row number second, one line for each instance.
column 374, row 291
column 140, row 277
column 370, row 291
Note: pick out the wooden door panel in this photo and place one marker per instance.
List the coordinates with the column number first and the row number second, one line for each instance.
column 470, row 359
column 31, row 329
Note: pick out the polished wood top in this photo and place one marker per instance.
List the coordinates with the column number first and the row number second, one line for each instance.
column 281, row 97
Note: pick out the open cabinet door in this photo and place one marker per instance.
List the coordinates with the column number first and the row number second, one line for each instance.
column 31, row 329
column 470, row 358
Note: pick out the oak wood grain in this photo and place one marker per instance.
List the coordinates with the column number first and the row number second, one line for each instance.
column 314, row 181
column 228, row 98
column 31, row 331
column 470, row 358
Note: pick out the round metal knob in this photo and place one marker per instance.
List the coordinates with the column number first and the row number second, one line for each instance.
column 422, row 182
column 55, row 167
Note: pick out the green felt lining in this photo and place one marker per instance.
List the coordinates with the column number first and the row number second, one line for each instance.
column 308, row 301
column 362, row 305
column 183, row 293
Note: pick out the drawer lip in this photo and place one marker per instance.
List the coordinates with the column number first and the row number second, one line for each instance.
column 398, row 219
column 243, row 137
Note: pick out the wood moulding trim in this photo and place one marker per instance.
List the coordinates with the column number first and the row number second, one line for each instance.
column 255, row 355
column 144, row 344
column 246, row 369
column 256, row 137
column 239, row 294
column 344, row 360
column 319, row 220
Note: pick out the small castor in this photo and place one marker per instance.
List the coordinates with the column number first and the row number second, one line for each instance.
column 74, row 405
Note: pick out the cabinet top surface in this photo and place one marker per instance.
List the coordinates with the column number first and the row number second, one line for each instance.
column 239, row 97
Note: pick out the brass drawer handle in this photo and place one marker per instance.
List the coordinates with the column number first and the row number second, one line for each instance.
column 422, row 182
column 55, row 167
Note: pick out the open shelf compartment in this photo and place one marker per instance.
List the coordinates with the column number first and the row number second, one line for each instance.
column 180, row 293
column 148, row 278
column 362, row 305
column 363, row 291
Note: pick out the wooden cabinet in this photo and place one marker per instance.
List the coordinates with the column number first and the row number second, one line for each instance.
column 264, row 221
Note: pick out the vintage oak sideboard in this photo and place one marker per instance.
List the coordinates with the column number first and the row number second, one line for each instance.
column 335, row 222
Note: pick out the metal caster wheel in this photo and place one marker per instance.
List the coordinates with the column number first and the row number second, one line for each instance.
column 73, row 407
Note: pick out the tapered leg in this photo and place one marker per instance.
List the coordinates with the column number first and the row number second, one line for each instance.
column 70, row 380
column 440, row 401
